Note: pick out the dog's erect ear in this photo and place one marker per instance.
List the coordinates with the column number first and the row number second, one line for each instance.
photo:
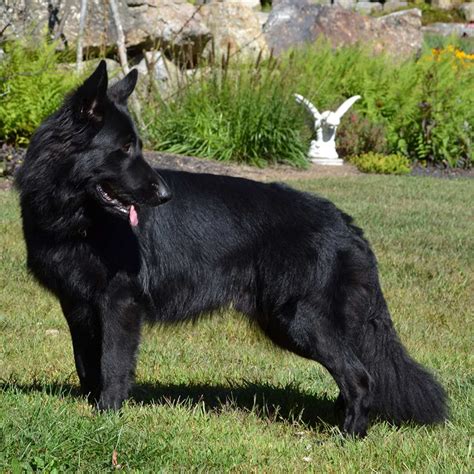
column 122, row 89
column 90, row 97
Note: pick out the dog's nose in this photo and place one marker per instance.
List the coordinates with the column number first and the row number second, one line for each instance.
column 162, row 191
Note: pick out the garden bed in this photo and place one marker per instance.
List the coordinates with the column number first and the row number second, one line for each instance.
column 270, row 173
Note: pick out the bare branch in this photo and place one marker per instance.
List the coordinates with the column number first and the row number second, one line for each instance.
column 82, row 22
column 120, row 37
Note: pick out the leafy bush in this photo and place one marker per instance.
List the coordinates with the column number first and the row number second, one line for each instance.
column 441, row 127
column 358, row 135
column 381, row 164
column 422, row 109
column 32, row 86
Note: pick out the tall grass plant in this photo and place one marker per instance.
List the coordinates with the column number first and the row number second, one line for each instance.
column 240, row 112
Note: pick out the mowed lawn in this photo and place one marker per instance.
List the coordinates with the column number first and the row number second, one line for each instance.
column 217, row 396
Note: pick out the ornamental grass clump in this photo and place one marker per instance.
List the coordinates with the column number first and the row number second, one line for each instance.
column 240, row 112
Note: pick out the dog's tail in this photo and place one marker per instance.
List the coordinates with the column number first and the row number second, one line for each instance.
column 404, row 390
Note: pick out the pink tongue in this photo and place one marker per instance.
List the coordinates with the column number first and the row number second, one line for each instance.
column 133, row 216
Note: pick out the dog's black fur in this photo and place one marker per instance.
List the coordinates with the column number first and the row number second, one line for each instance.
column 291, row 261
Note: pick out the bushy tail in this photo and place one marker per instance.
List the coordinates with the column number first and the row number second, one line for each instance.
column 404, row 390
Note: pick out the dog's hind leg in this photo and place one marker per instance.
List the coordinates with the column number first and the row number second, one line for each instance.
column 310, row 333
column 85, row 331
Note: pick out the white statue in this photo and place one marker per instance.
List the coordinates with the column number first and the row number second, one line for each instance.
column 323, row 149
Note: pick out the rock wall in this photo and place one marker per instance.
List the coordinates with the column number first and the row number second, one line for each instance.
column 185, row 33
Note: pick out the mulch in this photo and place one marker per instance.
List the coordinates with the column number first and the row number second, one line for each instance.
column 11, row 156
column 270, row 173
column 284, row 172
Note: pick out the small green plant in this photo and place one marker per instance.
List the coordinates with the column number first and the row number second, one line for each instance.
column 381, row 164
column 32, row 86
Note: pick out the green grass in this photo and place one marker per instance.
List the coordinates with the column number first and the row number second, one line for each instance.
column 217, row 396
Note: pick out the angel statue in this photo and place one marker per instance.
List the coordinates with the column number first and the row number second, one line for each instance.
column 323, row 149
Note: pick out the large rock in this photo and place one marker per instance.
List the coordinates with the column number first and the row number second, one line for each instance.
column 467, row 10
column 350, row 4
column 293, row 25
column 234, row 28
column 172, row 25
column 394, row 5
column 462, row 30
column 367, row 8
column 443, row 4
column 247, row 3
column 158, row 72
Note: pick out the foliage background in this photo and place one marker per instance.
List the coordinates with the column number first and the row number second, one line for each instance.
column 238, row 111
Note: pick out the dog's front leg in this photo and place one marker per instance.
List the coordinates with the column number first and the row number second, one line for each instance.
column 121, row 316
column 84, row 325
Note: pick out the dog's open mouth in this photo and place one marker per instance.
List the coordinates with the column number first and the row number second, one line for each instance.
column 107, row 195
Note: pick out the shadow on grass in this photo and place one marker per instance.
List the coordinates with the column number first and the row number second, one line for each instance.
column 276, row 404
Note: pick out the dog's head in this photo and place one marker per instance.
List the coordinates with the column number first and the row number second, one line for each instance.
column 120, row 180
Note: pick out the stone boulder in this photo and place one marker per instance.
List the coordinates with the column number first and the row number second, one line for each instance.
column 173, row 25
column 234, row 28
column 443, row 4
column 349, row 4
column 462, row 30
column 467, row 10
column 158, row 72
column 394, row 5
column 293, row 25
column 366, row 8
column 247, row 3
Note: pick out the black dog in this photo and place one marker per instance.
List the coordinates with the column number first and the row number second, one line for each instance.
column 100, row 237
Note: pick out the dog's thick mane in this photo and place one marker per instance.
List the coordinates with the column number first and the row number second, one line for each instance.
column 59, row 205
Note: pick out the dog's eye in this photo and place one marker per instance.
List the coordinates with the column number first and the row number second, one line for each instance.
column 127, row 148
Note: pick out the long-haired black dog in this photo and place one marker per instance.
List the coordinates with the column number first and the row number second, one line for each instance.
column 102, row 236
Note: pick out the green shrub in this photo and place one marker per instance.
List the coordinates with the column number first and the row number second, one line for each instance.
column 441, row 127
column 381, row 164
column 32, row 86
column 358, row 135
